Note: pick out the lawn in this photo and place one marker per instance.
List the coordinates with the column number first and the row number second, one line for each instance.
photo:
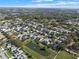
column 0, row 57
column 37, row 49
column 34, row 54
column 9, row 53
column 64, row 55
column 48, row 53
column 52, row 53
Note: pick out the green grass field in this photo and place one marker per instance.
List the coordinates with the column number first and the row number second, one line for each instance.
column 9, row 53
column 0, row 57
column 64, row 55
column 50, row 53
column 34, row 54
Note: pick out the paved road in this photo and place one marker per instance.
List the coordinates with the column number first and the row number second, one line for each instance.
column 3, row 54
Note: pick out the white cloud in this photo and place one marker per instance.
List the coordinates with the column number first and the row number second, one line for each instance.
column 60, row 4
column 66, row 3
column 46, row 6
column 42, row 0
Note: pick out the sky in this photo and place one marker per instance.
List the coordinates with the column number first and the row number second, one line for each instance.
column 40, row 3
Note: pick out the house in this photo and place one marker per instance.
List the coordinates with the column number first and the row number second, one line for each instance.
column 56, row 46
column 77, row 57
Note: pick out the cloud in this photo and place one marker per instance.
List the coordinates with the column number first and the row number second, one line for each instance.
column 58, row 4
column 66, row 3
column 33, row 6
column 42, row 0
column 55, row 5
column 45, row 6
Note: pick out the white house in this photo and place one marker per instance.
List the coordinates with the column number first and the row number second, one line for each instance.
column 77, row 57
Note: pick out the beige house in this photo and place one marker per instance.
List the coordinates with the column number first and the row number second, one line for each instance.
column 1, row 36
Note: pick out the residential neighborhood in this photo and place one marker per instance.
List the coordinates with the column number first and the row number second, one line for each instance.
column 38, row 36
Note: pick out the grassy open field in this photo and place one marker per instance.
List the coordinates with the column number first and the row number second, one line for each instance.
column 34, row 54
column 9, row 53
column 0, row 57
column 64, row 55
column 48, row 53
